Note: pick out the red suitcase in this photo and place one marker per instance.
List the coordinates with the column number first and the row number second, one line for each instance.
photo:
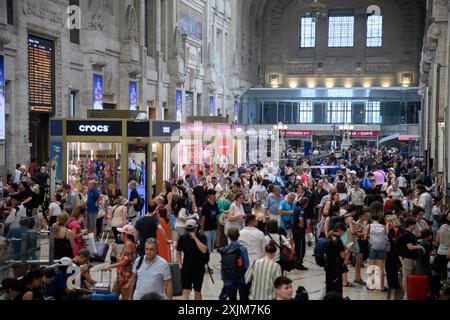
column 418, row 287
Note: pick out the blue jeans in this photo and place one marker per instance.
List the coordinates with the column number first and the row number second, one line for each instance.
column 210, row 239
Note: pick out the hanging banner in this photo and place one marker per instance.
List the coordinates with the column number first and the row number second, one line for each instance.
column 211, row 106
column 133, row 96
column 179, row 104
column 2, row 99
column 55, row 165
column 236, row 111
column 98, row 92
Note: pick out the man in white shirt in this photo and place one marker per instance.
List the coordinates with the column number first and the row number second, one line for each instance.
column 253, row 239
column 17, row 174
column 356, row 195
column 408, row 202
column 215, row 185
column 18, row 211
column 425, row 202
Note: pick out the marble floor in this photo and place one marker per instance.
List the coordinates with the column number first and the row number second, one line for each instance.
column 313, row 280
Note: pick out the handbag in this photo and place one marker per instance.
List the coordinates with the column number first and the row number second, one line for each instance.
column 288, row 258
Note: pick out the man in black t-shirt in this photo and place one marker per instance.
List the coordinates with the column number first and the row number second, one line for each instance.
column 335, row 260
column 208, row 219
column 132, row 201
column 192, row 264
column 407, row 250
column 146, row 228
column 199, row 194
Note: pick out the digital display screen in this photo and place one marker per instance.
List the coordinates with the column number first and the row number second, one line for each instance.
column 41, row 74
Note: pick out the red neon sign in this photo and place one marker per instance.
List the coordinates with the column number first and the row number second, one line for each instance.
column 364, row 133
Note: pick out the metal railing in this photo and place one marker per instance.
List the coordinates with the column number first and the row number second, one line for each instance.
column 30, row 254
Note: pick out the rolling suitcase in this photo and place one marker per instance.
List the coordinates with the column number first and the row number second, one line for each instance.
column 176, row 275
column 103, row 290
column 418, row 287
column 102, row 248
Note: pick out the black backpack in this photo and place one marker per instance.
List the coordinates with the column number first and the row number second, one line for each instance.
column 232, row 263
column 139, row 205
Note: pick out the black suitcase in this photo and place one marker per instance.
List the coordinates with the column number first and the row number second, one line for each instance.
column 176, row 279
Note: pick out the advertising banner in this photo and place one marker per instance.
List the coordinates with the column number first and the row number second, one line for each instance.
column 179, row 102
column 55, row 164
column 2, row 99
column 98, row 92
column 211, row 106
column 133, row 96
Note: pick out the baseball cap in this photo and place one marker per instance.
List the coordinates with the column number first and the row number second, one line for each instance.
column 353, row 172
column 128, row 229
column 344, row 202
column 65, row 261
column 202, row 179
column 84, row 253
column 191, row 224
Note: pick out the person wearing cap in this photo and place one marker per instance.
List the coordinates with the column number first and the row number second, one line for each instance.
column 124, row 264
column 194, row 248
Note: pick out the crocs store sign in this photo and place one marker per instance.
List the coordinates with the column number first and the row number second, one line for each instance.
column 94, row 128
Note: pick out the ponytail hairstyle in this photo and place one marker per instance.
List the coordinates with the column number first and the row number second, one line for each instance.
column 339, row 226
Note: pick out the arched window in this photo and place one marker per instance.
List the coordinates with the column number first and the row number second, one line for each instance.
column 374, row 31
column 307, row 32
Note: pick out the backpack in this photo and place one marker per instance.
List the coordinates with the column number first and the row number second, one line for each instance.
column 378, row 238
column 320, row 252
column 139, row 205
column 232, row 264
column 261, row 194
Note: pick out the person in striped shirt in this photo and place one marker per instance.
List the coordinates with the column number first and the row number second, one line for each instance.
column 262, row 274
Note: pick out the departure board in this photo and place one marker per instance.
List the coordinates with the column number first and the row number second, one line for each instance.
column 41, row 74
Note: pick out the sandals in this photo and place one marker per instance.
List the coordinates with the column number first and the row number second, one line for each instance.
column 349, row 285
column 360, row 281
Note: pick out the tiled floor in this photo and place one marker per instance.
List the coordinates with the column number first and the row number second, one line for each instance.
column 313, row 280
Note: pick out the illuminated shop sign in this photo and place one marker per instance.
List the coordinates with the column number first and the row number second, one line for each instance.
column 94, row 128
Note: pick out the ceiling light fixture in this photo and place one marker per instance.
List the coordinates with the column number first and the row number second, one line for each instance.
column 316, row 10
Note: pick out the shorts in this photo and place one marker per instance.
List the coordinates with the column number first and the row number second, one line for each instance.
column 192, row 279
column 287, row 233
column 377, row 254
column 92, row 220
column 407, row 266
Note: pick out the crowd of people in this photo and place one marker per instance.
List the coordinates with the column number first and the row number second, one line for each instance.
column 369, row 207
